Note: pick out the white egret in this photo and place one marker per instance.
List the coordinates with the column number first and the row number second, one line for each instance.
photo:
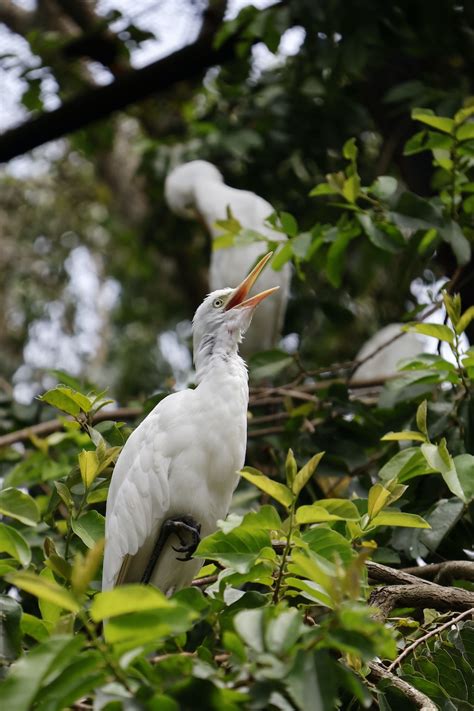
column 177, row 471
column 197, row 190
column 388, row 352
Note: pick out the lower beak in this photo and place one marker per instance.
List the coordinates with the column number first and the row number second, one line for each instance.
column 238, row 297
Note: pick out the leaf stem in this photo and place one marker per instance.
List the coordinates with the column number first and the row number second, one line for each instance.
column 102, row 647
column 285, row 554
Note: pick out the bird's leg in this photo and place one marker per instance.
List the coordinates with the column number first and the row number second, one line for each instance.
column 179, row 526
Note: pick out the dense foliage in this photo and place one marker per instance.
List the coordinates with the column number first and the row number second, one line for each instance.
column 279, row 616
column 343, row 576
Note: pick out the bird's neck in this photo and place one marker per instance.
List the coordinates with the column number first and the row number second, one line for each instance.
column 219, row 358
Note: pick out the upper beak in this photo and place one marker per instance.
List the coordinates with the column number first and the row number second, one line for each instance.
column 238, row 296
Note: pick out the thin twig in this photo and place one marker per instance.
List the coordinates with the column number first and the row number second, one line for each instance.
column 411, row 647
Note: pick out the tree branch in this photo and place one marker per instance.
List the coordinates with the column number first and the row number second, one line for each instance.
column 444, row 573
column 411, row 647
column 383, row 574
column 15, row 17
column 420, row 595
column 421, row 701
column 133, row 86
column 43, row 429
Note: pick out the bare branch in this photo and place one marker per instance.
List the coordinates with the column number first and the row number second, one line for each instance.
column 411, row 647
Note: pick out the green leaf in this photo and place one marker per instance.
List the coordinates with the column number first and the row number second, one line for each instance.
column 289, row 224
column 45, row 590
column 378, row 497
column 329, row 544
column 89, row 466
column 13, row 543
column 428, row 117
column 291, row 468
column 90, row 527
column 282, row 632
column 281, row 256
column 465, row 320
column 67, row 400
column 464, row 464
column 239, row 549
column 128, row 598
column 86, row 567
column 441, row 461
column 64, row 494
column 315, row 514
column 349, row 149
column 16, row 504
column 465, row 132
column 403, row 436
column 34, row 627
column 351, row 188
column 32, row 671
column 277, row 491
column 421, row 418
column 305, row 473
column 10, row 632
column 436, row 330
column 398, row 518
column 323, row 189
column 405, row 465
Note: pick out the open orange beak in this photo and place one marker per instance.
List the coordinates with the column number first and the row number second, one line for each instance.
column 238, row 297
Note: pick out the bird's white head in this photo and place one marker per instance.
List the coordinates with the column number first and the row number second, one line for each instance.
column 181, row 182
column 224, row 316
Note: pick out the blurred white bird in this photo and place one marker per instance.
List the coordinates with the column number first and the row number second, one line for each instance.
column 386, row 358
column 197, row 190
column 178, row 469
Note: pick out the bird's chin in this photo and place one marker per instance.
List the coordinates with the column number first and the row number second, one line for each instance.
column 241, row 320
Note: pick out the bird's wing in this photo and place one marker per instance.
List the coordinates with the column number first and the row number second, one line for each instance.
column 138, row 496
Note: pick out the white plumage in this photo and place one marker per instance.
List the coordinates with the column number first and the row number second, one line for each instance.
column 183, row 459
column 197, row 190
column 385, row 361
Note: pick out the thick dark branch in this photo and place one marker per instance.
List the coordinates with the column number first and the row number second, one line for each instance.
column 421, row 595
column 16, row 18
column 444, row 573
column 99, row 102
column 383, row 574
column 421, row 701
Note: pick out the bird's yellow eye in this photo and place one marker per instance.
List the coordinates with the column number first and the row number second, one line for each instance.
column 217, row 303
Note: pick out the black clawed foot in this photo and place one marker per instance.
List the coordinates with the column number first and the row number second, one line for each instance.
column 183, row 527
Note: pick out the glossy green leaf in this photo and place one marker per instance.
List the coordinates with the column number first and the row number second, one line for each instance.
column 128, row 598
column 90, row 527
column 305, row 473
column 89, row 466
column 441, row 461
column 421, row 418
column 378, row 498
column 16, row 504
column 67, row 400
column 436, row 330
column 404, row 436
column 13, row 543
column 398, row 518
column 428, row 117
column 277, row 491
